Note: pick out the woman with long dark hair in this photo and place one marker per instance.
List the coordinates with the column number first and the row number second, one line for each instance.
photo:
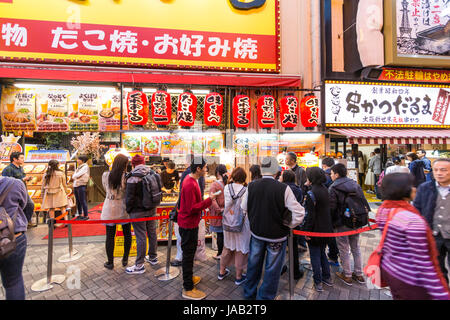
column 409, row 264
column 54, row 190
column 217, row 206
column 318, row 219
column 114, row 208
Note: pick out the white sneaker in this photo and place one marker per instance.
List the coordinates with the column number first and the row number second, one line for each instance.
column 151, row 261
column 135, row 269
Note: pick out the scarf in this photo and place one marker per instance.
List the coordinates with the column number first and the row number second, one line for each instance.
column 392, row 204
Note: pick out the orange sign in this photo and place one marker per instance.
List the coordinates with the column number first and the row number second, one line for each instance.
column 415, row 75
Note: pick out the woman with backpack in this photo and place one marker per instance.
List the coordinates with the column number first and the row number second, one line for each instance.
column 217, row 206
column 318, row 219
column 236, row 244
column 115, row 184
column 54, row 190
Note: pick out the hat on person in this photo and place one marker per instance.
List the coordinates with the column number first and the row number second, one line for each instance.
column 137, row 160
column 269, row 166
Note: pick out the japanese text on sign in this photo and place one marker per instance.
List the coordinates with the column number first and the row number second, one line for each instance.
column 291, row 116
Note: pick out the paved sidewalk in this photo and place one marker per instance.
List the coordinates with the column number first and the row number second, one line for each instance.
column 96, row 282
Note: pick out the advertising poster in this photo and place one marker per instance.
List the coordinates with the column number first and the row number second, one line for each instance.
column 109, row 116
column 83, row 108
column 18, row 108
column 52, row 110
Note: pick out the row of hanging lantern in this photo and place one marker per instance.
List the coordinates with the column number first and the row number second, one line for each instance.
column 291, row 111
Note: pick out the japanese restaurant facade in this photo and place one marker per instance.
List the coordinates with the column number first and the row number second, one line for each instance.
column 228, row 88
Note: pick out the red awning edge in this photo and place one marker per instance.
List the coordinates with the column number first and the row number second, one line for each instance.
column 133, row 75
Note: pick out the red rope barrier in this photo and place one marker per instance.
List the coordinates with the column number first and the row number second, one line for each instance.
column 127, row 220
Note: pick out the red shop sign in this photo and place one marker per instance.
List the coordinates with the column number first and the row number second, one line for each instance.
column 213, row 109
column 309, row 111
column 241, row 111
column 187, row 109
column 266, row 111
column 289, row 111
column 161, row 108
column 137, row 105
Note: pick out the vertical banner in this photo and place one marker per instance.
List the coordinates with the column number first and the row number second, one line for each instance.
column 109, row 116
column 137, row 106
column 51, row 110
column 309, row 110
column 213, row 109
column 266, row 110
column 18, row 109
column 187, row 109
column 161, row 108
column 84, row 111
column 241, row 111
column 289, row 112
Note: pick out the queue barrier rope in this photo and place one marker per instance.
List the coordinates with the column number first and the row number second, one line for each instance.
column 164, row 217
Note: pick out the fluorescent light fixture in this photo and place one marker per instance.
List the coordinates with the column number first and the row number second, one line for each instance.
column 149, row 89
column 179, row 91
column 201, row 92
column 22, row 85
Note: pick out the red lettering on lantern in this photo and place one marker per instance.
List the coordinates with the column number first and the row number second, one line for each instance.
column 187, row 109
column 309, row 111
column 137, row 105
column 266, row 110
column 213, row 109
column 161, row 108
column 289, row 112
column 241, row 111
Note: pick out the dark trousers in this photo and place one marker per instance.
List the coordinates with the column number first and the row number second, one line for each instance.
column 361, row 179
column 333, row 250
column 443, row 248
column 297, row 271
column 189, row 239
column 403, row 291
column 109, row 244
column 219, row 243
column 377, row 194
column 319, row 263
column 80, row 197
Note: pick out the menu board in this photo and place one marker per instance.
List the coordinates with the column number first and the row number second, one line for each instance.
column 6, row 148
column 109, row 116
column 18, row 109
column 47, row 155
column 51, row 110
column 214, row 145
column 132, row 143
column 84, row 111
column 174, row 145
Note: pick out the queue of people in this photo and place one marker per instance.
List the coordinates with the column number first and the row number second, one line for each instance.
column 257, row 218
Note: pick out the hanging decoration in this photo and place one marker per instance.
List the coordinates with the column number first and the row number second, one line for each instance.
column 241, row 111
column 266, row 110
column 309, row 111
column 289, row 112
column 138, row 107
column 187, row 109
column 161, row 108
column 213, row 109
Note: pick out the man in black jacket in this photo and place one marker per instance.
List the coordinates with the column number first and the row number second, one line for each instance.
column 267, row 201
column 300, row 174
column 338, row 190
column 135, row 209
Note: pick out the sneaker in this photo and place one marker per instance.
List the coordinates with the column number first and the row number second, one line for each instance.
column 222, row 276
column 217, row 257
column 346, row 280
column 85, row 218
column 175, row 263
column 135, row 269
column 79, row 218
column 328, row 282
column 196, row 280
column 151, row 261
column 333, row 262
column 240, row 281
column 194, row 294
column 318, row 287
column 359, row 279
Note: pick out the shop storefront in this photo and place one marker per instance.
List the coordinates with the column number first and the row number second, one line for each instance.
column 215, row 91
column 395, row 117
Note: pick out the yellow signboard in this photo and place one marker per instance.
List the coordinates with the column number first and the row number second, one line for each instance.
column 200, row 34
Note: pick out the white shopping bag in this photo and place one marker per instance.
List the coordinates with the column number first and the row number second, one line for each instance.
column 200, row 254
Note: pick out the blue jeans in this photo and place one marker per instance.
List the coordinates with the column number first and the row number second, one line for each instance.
column 80, row 197
column 11, row 271
column 273, row 253
column 319, row 263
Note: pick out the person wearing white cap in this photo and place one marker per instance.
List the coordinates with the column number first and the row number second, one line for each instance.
column 272, row 210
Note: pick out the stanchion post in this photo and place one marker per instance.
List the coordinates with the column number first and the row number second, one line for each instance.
column 73, row 254
column 45, row 284
column 168, row 273
column 291, row 265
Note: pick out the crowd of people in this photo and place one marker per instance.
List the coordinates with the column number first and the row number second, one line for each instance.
column 257, row 215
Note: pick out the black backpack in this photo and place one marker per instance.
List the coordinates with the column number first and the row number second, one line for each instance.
column 151, row 190
column 7, row 241
column 354, row 211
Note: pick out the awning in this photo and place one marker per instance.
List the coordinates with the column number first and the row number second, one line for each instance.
column 395, row 136
column 135, row 75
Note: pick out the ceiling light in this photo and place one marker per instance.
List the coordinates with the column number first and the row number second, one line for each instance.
column 201, row 91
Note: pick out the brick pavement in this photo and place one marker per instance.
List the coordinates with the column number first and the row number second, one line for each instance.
column 96, row 282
